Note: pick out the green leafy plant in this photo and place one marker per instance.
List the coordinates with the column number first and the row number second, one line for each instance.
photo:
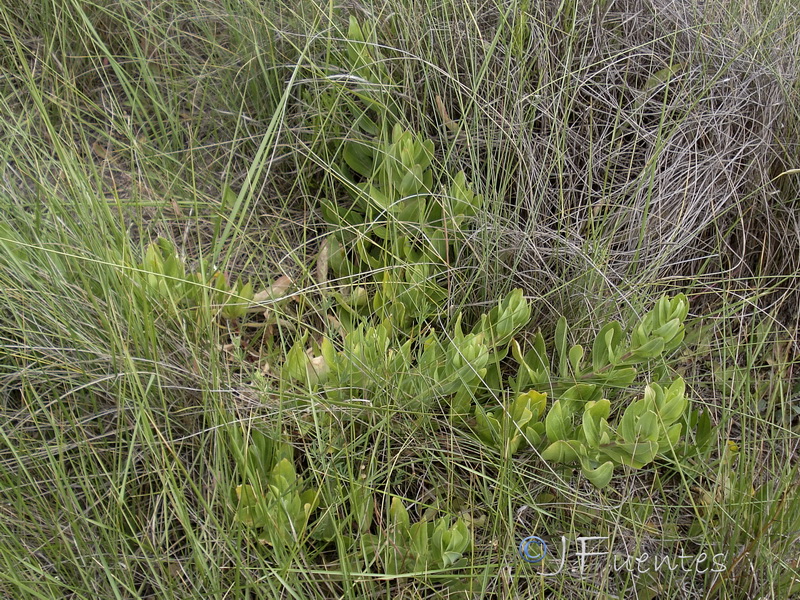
column 274, row 501
column 400, row 213
column 357, row 80
column 507, row 429
column 579, row 426
column 421, row 546
column 165, row 275
column 402, row 235
column 646, row 429
column 613, row 359
column 425, row 370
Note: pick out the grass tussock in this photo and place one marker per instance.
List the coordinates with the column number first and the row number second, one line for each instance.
column 624, row 148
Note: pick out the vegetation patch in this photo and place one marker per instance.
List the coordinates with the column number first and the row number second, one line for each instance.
column 463, row 300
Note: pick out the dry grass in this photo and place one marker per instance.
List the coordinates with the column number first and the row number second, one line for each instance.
column 625, row 148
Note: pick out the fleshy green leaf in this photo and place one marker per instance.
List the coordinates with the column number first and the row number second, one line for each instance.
column 600, row 476
column 606, row 345
column 399, row 515
column 251, row 509
column 594, row 421
column 558, row 422
column 575, row 357
column 564, row 452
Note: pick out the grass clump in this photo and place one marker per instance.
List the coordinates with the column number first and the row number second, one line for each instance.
column 346, row 198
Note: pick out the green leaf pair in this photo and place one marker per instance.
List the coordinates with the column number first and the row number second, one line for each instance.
column 505, row 320
column 421, row 546
column 165, row 270
column 274, row 501
column 647, row 429
column 661, row 330
column 505, row 428
column 299, row 366
column 165, row 275
column 407, row 296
